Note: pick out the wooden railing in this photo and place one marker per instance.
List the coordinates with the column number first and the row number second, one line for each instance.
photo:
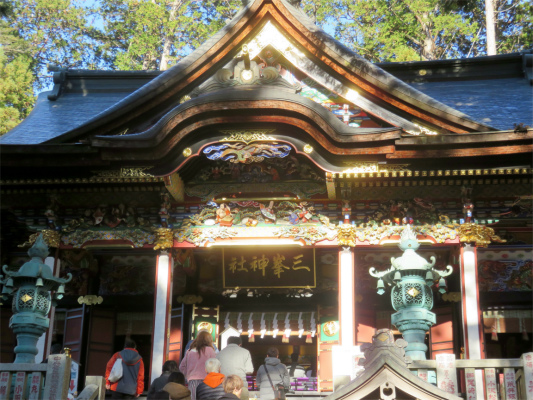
column 49, row 381
column 491, row 379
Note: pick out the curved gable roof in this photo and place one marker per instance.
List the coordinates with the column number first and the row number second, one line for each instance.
column 344, row 68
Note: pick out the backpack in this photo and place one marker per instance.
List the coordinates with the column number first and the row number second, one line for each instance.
column 116, row 371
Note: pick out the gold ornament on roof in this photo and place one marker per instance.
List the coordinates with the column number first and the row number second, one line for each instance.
column 481, row 235
column 51, row 238
column 346, row 235
column 164, row 239
column 187, row 152
column 308, row 149
column 248, row 136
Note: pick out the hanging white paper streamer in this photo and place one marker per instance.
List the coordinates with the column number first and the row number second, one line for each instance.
column 263, row 326
column 300, row 325
column 313, row 324
column 226, row 321
column 288, row 325
column 239, row 323
column 250, row 325
column 275, row 329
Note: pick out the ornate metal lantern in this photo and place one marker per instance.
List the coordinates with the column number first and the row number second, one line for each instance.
column 411, row 278
column 31, row 286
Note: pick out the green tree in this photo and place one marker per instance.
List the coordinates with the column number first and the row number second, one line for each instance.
column 401, row 30
column 408, row 30
column 155, row 34
column 16, row 75
column 16, row 90
column 512, row 24
column 55, row 32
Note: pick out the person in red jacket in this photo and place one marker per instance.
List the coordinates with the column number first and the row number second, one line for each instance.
column 131, row 385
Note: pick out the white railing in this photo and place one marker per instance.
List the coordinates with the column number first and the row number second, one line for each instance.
column 49, row 381
column 491, row 379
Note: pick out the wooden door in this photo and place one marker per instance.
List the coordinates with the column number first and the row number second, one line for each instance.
column 100, row 340
column 366, row 325
column 175, row 340
column 73, row 333
column 442, row 333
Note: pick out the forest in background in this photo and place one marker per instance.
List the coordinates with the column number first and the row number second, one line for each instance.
column 156, row 34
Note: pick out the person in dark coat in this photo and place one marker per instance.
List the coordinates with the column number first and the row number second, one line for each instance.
column 158, row 383
column 233, row 385
column 296, row 370
column 211, row 387
column 176, row 387
column 278, row 374
column 131, row 385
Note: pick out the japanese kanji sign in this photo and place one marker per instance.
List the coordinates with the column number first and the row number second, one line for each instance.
column 57, row 377
column 490, row 384
column 35, row 386
column 510, row 384
column 447, row 373
column 269, row 267
column 527, row 359
column 470, row 378
column 5, row 385
column 20, row 386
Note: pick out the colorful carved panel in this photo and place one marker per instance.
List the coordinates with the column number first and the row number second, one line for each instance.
column 270, row 170
column 127, row 275
column 83, row 267
column 505, row 270
column 246, row 153
column 505, row 276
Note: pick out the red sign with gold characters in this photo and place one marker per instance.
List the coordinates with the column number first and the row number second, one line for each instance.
column 269, row 267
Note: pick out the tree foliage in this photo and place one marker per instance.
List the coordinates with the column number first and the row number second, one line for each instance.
column 140, row 34
column 16, row 90
column 409, row 30
column 156, row 34
column 16, row 76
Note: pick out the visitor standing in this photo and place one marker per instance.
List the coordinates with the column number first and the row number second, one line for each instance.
column 193, row 364
column 236, row 361
column 176, row 387
column 211, row 387
column 296, row 370
column 131, row 385
column 276, row 370
column 232, row 387
column 158, row 383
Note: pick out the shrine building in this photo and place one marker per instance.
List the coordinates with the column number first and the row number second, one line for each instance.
column 261, row 187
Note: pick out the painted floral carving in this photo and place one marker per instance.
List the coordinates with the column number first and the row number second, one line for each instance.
column 246, row 153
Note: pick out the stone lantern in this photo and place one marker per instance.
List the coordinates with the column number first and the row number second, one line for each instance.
column 31, row 286
column 411, row 278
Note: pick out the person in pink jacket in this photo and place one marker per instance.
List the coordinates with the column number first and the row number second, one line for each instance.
column 193, row 364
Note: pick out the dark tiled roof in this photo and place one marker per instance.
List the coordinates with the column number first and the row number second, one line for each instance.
column 496, row 102
column 83, row 95
column 51, row 119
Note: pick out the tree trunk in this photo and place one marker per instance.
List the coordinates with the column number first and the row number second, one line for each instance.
column 429, row 47
column 491, row 27
column 169, row 39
